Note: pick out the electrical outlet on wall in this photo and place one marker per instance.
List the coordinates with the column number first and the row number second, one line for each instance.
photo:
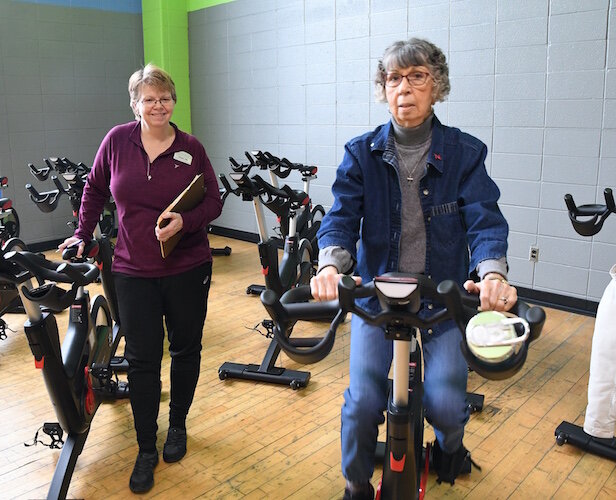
column 533, row 253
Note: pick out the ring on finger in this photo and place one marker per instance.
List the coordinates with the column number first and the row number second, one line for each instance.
column 505, row 300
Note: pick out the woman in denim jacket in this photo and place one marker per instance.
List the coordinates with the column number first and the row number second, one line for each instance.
column 417, row 197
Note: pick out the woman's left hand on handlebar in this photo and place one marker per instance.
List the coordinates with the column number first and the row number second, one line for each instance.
column 71, row 242
column 175, row 225
column 495, row 293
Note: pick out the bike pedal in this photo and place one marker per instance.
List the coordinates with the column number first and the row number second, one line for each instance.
column 121, row 390
column 118, row 364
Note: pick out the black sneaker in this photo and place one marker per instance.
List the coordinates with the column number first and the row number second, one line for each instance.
column 142, row 478
column 366, row 492
column 175, row 446
column 449, row 466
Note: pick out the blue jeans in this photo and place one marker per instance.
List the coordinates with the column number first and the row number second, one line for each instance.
column 365, row 399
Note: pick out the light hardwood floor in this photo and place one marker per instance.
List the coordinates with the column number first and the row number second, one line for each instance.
column 254, row 440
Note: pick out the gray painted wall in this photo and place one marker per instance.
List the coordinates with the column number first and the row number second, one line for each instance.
column 63, row 84
column 534, row 79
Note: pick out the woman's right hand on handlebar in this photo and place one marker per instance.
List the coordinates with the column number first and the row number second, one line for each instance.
column 324, row 286
column 71, row 242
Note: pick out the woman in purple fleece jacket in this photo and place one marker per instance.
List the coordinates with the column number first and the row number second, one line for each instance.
column 145, row 164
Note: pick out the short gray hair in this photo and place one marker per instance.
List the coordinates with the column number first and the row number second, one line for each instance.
column 414, row 52
column 149, row 75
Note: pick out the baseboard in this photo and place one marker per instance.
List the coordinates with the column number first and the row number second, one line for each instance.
column 43, row 246
column 234, row 233
column 557, row 301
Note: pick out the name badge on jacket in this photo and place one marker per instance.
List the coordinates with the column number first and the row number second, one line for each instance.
column 183, row 156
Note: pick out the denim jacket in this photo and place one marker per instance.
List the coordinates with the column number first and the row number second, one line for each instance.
column 464, row 225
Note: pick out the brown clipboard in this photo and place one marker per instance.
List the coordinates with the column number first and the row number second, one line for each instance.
column 185, row 201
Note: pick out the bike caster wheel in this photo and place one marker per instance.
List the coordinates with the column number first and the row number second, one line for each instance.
column 295, row 385
column 223, row 374
column 561, row 438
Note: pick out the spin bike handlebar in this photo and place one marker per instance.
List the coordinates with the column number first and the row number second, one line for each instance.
column 296, row 198
column 47, row 201
column 256, row 187
column 82, row 273
column 597, row 213
column 66, row 166
column 398, row 312
column 41, row 173
column 49, row 294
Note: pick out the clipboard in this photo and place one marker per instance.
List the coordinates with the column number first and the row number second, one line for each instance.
column 185, row 201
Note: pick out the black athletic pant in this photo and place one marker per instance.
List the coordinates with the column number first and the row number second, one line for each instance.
column 143, row 302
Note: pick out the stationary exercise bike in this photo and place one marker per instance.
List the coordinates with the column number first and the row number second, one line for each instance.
column 9, row 240
column 295, row 269
column 588, row 220
column 75, row 175
column 308, row 221
column 10, row 302
column 494, row 345
column 9, row 220
column 78, row 372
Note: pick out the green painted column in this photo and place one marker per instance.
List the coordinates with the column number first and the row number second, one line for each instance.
column 203, row 4
column 165, row 43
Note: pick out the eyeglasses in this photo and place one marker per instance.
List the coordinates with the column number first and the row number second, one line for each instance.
column 415, row 79
column 150, row 102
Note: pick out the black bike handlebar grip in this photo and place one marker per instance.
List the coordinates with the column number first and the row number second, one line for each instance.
column 536, row 319
column 40, row 174
column 226, row 184
column 251, row 159
column 609, row 200
column 296, row 195
column 80, row 274
column 570, row 204
column 450, row 292
column 90, row 251
column 68, row 163
column 47, row 201
column 58, row 183
column 51, row 296
column 34, row 194
column 235, row 165
column 346, row 290
column 272, row 304
column 70, row 253
column 268, row 188
column 36, row 264
column 259, row 157
column 297, row 294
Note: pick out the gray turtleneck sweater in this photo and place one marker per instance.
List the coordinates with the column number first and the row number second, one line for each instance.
column 412, row 147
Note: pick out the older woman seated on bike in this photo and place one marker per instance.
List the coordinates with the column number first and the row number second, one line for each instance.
column 416, row 195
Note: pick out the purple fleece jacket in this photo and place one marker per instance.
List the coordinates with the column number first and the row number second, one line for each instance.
column 121, row 169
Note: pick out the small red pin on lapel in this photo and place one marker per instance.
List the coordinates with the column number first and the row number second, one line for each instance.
column 437, row 156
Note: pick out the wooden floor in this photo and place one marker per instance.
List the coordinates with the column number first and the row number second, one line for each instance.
column 253, row 440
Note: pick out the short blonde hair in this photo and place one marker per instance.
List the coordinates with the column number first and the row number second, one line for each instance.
column 414, row 52
column 149, row 75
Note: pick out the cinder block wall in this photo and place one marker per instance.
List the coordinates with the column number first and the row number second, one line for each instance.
column 63, row 84
column 534, row 79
